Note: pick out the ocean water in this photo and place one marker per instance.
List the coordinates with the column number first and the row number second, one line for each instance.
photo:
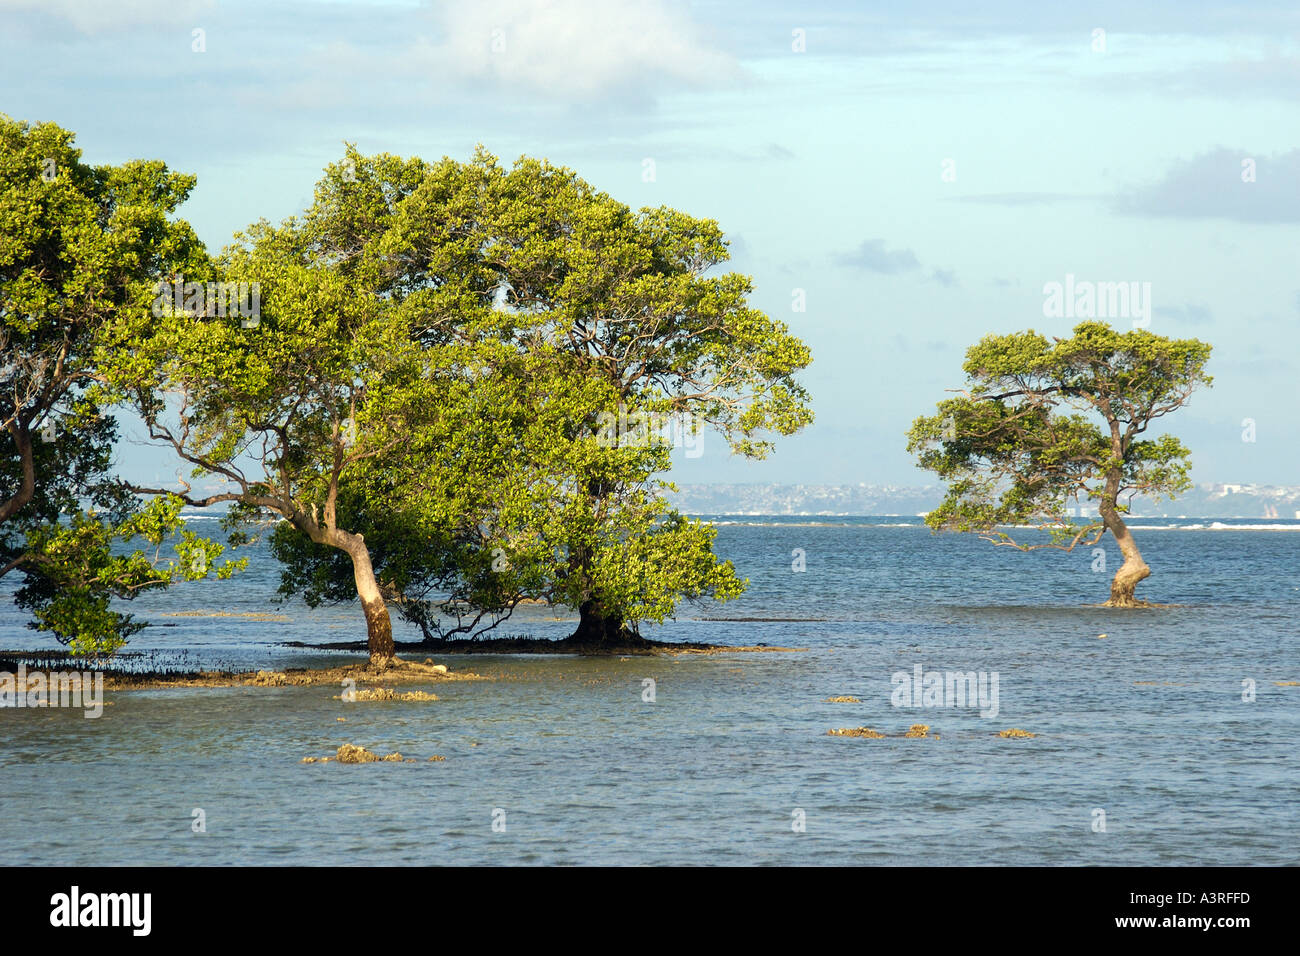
column 1146, row 728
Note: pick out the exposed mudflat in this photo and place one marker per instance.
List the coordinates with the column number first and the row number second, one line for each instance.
column 397, row 672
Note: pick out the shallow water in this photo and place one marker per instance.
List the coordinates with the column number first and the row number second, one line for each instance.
column 1147, row 724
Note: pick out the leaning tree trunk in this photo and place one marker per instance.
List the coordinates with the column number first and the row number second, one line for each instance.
column 379, row 626
column 1134, row 569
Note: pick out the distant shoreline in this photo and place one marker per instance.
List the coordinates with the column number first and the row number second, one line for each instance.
column 915, row 519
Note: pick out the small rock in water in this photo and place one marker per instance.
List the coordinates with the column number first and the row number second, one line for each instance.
column 856, row 732
column 386, row 693
column 351, row 753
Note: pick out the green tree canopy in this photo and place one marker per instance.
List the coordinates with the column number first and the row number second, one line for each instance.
column 1042, row 422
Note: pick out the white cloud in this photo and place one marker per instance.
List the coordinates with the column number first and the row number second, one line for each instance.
column 576, row 50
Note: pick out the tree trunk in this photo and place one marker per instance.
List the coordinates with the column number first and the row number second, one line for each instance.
column 379, row 625
column 596, row 627
column 1134, row 569
column 1125, row 582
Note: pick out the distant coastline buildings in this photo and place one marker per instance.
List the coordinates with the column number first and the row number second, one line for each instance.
column 1203, row 501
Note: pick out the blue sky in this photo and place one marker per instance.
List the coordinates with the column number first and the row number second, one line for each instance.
column 919, row 170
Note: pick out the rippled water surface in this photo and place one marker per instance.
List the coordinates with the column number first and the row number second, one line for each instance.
column 1147, row 724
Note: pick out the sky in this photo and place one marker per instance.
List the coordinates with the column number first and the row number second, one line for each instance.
column 899, row 178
